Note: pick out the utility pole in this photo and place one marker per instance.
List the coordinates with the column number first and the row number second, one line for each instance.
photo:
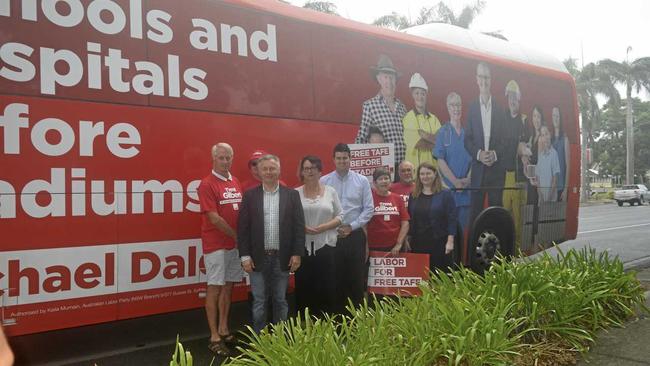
column 629, row 126
column 584, row 165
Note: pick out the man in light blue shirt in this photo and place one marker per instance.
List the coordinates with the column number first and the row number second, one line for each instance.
column 351, row 247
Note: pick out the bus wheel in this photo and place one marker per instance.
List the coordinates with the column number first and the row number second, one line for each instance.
column 492, row 233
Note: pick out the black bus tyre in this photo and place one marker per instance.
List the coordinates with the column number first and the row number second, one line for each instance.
column 492, row 233
column 620, row 203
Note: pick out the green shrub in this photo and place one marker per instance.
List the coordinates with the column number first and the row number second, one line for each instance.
column 180, row 356
column 516, row 312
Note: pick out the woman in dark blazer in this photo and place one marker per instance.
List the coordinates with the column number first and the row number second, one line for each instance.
column 433, row 218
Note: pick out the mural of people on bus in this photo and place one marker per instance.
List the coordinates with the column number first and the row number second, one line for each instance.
column 484, row 141
column 453, row 160
column 495, row 155
column 514, row 194
column 384, row 110
column 420, row 125
column 561, row 145
column 532, row 142
column 547, row 171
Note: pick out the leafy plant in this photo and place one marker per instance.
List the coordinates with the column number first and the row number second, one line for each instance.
column 180, row 356
column 519, row 312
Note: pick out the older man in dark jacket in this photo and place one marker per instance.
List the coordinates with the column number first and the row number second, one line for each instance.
column 271, row 240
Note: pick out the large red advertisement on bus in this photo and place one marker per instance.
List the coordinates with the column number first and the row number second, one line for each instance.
column 108, row 110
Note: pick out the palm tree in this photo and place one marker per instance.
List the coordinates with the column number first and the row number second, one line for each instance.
column 590, row 82
column 439, row 13
column 393, row 21
column 443, row 13
column 327, row 7
column 634, row 75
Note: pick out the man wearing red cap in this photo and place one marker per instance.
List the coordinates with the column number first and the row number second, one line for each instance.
column 255, row 179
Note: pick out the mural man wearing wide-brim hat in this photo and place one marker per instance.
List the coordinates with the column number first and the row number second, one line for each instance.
column 384, row 111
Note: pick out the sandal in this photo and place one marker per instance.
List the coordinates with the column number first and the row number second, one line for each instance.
column 229, row 339
column 219, row 348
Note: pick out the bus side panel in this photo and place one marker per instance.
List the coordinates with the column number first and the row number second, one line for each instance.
column 110, row 232
column 239, row 82
column 98, row 185
column 70, row 46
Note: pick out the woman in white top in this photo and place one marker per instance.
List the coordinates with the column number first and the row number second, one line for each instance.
column 316, row 278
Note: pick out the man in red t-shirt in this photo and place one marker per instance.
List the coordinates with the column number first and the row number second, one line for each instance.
column 389, row 224
column 220, row 196
column 406, row 183
column 255, row 179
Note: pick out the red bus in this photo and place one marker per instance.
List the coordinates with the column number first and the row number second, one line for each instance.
column 108, row 110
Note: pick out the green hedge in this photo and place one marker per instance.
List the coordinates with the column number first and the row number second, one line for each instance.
column 546, row 309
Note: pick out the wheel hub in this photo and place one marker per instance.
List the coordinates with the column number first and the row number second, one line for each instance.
column 486, row 247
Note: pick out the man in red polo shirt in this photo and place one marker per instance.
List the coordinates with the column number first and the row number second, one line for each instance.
column 220, row 196
column 255, row 179
column 405, row 185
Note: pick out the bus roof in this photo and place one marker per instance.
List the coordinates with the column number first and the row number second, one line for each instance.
column 443, row 37
column 480, row 42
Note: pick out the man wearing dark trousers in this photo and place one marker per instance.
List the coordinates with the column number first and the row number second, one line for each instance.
column 271, row 240
column 355, row 195
column 484, row 137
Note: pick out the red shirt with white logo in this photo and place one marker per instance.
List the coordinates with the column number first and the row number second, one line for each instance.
column 386, row 220
column 403, row 190
column 223, row 196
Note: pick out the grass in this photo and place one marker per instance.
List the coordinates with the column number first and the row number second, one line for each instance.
column 542, row 311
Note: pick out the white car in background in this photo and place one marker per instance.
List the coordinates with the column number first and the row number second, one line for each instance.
column 631, row 193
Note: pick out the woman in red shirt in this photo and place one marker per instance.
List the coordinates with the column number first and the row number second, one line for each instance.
column 390, row 221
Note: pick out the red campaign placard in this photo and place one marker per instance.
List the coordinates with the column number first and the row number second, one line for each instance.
column 397, row 275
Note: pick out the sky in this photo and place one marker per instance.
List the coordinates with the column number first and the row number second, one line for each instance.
column 597, row 29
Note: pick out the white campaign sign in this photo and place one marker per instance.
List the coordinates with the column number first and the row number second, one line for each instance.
column 365, row 158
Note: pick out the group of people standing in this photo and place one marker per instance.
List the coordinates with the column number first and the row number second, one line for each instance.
column 498, row 158
column 322, row 231
column 415, row 214
column 260, row 231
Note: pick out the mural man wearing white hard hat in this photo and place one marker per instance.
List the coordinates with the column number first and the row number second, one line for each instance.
column 420, row 126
